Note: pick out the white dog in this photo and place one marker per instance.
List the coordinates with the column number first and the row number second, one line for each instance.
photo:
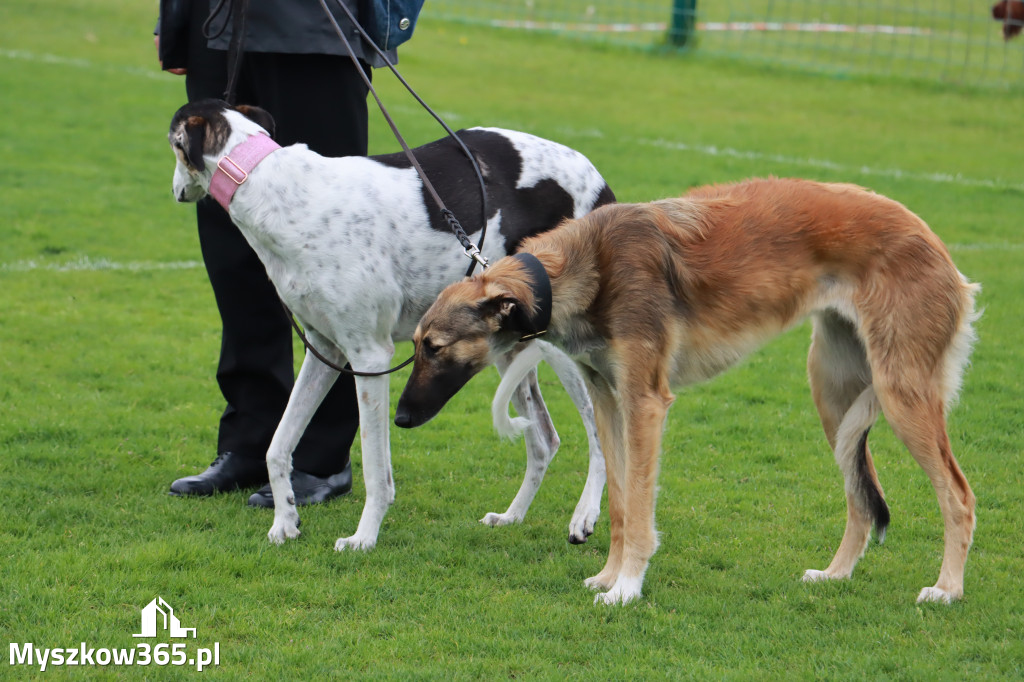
column 357, row 252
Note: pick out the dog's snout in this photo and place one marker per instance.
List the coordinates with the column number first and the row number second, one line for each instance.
column 403, row 418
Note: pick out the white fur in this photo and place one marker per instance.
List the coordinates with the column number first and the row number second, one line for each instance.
column 934, row 594
column 625, row 590
column 347, row 244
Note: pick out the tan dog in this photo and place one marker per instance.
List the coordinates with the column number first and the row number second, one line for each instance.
column 649, row 296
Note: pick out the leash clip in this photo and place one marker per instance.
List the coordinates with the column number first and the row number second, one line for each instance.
column 473, row 253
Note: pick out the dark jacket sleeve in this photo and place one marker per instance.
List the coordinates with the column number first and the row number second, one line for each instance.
column 173, row 29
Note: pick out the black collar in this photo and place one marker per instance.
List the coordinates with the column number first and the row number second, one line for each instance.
column 536, row 325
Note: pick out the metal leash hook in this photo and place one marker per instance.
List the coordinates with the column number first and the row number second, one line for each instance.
column 469, row 248
column 474, row 253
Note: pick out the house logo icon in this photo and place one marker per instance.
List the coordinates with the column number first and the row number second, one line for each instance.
column 159, row 613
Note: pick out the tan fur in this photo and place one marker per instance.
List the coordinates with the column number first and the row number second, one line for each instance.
column 650, row 296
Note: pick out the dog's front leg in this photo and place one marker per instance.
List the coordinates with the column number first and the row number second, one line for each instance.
column 380, row 485
column 314, row 381
column 644, row 413
column 610, row 426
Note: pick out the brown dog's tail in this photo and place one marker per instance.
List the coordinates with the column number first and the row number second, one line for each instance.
column 869, row 489
column 854, row 460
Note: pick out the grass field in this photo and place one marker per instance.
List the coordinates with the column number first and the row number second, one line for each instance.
column 944, row 40
column 109, row 339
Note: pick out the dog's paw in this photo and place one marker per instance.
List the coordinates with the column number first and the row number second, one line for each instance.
column 354, row 542
column 601, row 581
column 813, row 576
column 624, row 591
column 494, row 519
column 577, row 538
column 582, row 528
column 283, row 530
column 935, row 594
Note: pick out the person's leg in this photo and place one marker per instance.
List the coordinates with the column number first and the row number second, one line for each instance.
column 255, row 368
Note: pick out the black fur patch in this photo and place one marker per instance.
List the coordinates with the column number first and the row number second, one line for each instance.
column 523, row 211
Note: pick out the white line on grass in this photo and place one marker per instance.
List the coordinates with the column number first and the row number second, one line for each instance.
column 897, row 173
column 706, row 150
column 87, row 264
column 57, row 60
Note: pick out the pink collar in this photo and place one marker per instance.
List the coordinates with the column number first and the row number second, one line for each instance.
column 233, row 169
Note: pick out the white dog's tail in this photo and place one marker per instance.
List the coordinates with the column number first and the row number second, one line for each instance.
column 518, row 369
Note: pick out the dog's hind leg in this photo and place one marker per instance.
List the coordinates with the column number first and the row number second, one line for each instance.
column 314, row 381
column 918, row 339
column 919, row 421
column 540, row 436
column 840, row 379
column 589, row 507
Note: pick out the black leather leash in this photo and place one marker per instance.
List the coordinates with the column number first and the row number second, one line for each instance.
column 332, row 365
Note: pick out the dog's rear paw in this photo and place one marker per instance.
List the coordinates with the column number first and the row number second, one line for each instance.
column 581, row 529
column 283, row 530
column 494, row 519
column 354, row 542
column 936, row 594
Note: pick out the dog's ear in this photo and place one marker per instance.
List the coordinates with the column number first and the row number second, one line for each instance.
column 260, row 116
column 509, row 313
column 194, row 130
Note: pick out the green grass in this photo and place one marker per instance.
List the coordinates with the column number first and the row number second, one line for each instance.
column 107, row 394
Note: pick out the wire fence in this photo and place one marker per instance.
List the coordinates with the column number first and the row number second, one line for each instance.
column 953, row 41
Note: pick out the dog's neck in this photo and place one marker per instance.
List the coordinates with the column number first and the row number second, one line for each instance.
column 233, row 168
column 555, row 290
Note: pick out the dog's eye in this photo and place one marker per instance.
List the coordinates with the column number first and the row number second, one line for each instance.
column 429, row 347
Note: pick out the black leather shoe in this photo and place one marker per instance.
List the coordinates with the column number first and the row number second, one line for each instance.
column 228, row 472
column 308, row 489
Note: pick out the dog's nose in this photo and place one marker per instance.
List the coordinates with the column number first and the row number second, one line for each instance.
column 403, row 418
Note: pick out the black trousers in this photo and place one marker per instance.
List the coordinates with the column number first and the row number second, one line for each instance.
column 321, row 101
